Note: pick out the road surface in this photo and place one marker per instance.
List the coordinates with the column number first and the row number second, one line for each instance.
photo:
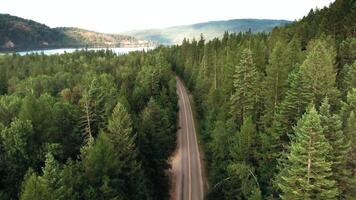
column 186, row 165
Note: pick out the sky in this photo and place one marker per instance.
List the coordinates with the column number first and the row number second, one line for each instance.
column 114, row 16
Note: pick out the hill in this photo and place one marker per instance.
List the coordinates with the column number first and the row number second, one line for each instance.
column 18, row 33
column 175, row 35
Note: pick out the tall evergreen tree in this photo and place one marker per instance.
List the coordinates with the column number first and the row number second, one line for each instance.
column 100, row 167
column 18, row 155
column 246, row 142
column 32, row 188
column 276, row 81
column 92, row 97
column 294, row 104
column 307, row 171
column 349, row 79
column 153, row 140
column 348, row 114
column 348, row 106
column 51, row 177
column 121, row 134
column 3, row 80
column 350, row 183
column 332, row 128
column 318, row 71
column 244, row 96
column 243, row 181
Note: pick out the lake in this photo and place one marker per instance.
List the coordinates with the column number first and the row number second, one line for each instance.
column 117, row 50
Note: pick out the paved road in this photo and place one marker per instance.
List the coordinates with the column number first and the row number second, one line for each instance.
column 186, row 165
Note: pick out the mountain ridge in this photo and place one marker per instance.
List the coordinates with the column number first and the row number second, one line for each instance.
column 17, row 33
column 210, row 29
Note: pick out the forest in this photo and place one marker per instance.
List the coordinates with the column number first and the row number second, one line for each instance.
column 276, row 114
column 277, row 110
column 86, row 125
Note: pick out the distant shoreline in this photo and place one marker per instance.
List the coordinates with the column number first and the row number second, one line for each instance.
column 17, row 50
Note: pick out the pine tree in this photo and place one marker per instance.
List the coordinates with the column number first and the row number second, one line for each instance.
column 294, row 104
column 275, row 82
column 3, row 80
column 318, row 71
column 246, row 142
column 120, row 128
column 92, row 116
column 18, row 154
column 51, row 177
column 244, row 95
column 32, row 188
column 347, row 51
column 121, row 134
column 100, row 167
column 243, row 181
column 332, row 128
column 348, row 106
column 307, row 171
column 350, row 183
column 348, row 114
column 293, row 53
column 154, row 145
column 349, row 79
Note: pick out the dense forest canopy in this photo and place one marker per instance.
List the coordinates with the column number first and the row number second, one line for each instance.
column 276, row 114
column 277, row 111
column 86, row 125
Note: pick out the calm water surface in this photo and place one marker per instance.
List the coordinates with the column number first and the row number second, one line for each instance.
column 118, row 50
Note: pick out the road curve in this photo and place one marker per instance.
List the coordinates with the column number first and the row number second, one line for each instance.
column 186, row 165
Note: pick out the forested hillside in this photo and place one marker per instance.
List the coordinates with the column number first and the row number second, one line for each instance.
column 18, row 34
column 175, row 35
column 86, row 125
column 277, row 111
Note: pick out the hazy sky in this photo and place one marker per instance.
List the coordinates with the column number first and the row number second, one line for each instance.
column 113, row 16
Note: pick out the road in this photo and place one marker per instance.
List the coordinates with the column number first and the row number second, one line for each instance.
column 186, row 165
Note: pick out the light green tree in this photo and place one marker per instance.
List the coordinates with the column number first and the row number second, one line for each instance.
column 307, row 172
column 319, row 72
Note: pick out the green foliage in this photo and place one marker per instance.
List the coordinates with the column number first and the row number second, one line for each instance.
column 33, row 188
column 318, row 71
column 307, row 172
column 52, row 100
column 100, row 165
column 9, row 108
column 332, row 127
column 273, row 82
column 349, row 80
column 295, row 102
column 348, row 106
column 245, row 82
column 16, row 154
column 276, row 80
column 243, row 175
column 153, row 140
column 51, row 177
column 246, row 142
column 3, row 80
column 250, row 90
column 349, row 117
column 121, row 135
